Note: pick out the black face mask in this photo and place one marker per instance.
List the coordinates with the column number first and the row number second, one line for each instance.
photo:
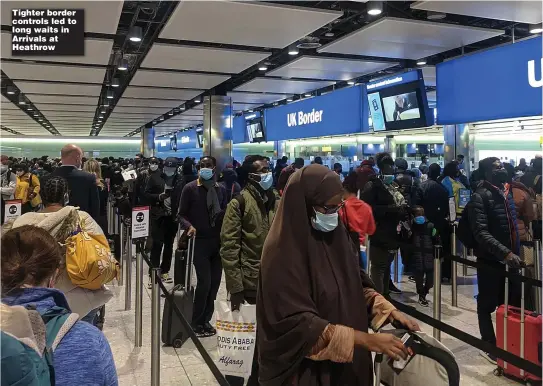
column 499, row 176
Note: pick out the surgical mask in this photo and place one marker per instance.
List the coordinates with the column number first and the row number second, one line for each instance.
column 206, row 173
column 388, row 179
column 153, row 167
column 266, row 180
column 66, row 199
column 499, row 176
column 324, row 222
column 169, row 171
column 420, row 220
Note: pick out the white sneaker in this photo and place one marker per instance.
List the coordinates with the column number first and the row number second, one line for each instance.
column 488, row 357
column 166, row 278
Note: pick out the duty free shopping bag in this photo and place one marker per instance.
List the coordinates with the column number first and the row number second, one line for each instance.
column 236, row 338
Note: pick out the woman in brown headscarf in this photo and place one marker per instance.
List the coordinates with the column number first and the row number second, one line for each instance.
column 314, row 302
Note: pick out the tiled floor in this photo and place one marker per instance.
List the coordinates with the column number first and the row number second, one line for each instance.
column 183, row 367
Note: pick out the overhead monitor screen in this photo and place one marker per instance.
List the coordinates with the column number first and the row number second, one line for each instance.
column 173, row 142
column 200, row 135
column 255, row 131
column 376, row 112
column 401, row 107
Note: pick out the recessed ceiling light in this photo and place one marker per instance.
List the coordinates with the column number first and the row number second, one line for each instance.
column 36, row 114
column 293, row 50
column 22, row 100
column 11, row 90
column 307, row 95
column 329, row 34
column 289, row 100
column 421, row 62
column 375, row 7
column 115, row 82
column 170, row 113
column 535, row 29
column 350, row 83
column 197, row 100
column 100, row 116
column 162, row 118
column 135, row 33
column 249, row 111
column 262, row 68
column 109, row 94
column 123, row 65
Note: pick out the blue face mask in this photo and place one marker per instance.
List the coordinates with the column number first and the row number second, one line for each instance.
column 324, row 222
column 266, row 180
column 420, row 220
column 388, row 179
column 206, row 173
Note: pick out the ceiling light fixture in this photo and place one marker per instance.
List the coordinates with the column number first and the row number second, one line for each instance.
column 307, row 95
column 350, row 83
column 170, row 113
column 432, row 15
column 100, row 116
column 22, row 100
column 115, row 82
column 11, row 90
column 329, row 34
column 535, row 29
column 293, row 50
column 197, row 100
column 374, row 8
column 421, row 62
column 262, row 68
column 123, row 65
column 289, row 100
column 135, row 34
column 162, row 118
column 109, row 94
column 103, row 110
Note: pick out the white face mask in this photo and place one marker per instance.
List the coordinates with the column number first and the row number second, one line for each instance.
column 324, row 222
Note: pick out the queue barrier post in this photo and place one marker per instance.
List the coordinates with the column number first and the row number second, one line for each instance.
column 115, row 221
column 121, row 253
column 465, row 256
column 138, row 339
column 454, row 272
column 368, row 259
column 505, row 312
column 109, row 216
column 437, row 290
column 396, row 267
column 128, row 264
column 537, row 266
column 155, row 329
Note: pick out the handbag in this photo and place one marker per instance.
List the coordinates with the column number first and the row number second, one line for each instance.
column 89, row 261
column 527, row 250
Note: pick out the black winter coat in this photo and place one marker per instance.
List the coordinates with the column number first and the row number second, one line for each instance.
column 407, row 185
column 491, row 222
column 423, row 246
column 386, row 213
column 433, row 197
column 154, row 188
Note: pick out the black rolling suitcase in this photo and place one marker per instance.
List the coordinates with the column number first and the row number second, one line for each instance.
column 173, row 332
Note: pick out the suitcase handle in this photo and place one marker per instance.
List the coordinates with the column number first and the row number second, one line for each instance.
column 188, row 265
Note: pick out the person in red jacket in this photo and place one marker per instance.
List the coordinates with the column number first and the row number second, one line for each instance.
column 356, row 214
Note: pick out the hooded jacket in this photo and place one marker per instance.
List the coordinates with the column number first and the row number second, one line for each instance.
column 363, row 173
column 83, row 356
column 524, row 205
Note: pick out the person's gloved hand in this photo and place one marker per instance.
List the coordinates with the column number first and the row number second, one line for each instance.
column 236, row 300
column 162, row 196
column 514, row 261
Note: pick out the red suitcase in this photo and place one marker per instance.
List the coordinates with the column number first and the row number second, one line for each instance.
column 520, row 334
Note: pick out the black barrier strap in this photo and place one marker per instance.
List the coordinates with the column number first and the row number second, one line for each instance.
column 186, row 325
column 511, row 275
column 516, row 361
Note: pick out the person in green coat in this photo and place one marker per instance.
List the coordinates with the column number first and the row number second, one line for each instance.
column 245, row 227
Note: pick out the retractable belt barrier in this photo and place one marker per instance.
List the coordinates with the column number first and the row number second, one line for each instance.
column 524, row 364
column 186, row 325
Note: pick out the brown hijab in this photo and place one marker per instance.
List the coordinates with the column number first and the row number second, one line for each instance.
column 308, row 279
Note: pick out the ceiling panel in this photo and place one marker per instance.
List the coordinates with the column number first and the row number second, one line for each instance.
column 518, row 10
column 176, row 79
column 44, row 108
column 65, row 99
column 244, row 106
column 282, row 86
column 100, row 16
column 201, row 59
column 161, row 93
column 328, row 68
column 429, row 74
column 249, row 97
column 35, row 71
column 150, row 110
column 162, row 103
column 70, row 114
column 96, row 52
column 410, row 39
column 244, row 23
column 58, row 88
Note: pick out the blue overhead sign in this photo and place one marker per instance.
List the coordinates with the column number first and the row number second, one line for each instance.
column 185, row 140
column 504, row 82
column 340, row 112
column 406, row 77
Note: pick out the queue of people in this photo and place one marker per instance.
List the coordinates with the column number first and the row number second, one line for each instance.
column 291, row 240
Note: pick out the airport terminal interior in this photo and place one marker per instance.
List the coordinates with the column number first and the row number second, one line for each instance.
column 300, row 82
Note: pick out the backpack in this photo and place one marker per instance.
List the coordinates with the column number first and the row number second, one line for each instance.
column 28, row 341
column 464, row 232
column 89, row 261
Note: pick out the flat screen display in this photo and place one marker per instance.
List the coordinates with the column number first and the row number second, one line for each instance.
column 200, row 135
column 255, row 131
column 376, row 111
column 401, row 107
column 173, row 142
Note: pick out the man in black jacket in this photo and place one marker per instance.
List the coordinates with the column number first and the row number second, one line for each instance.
column 491, row 218
column 82, row 185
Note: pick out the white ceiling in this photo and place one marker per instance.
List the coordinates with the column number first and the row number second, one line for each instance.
column 429, row 75
column 328, row 68
column 100, row 16
column 281, row 86
column 409, row 39
column 251, row 97
column 96, row 52
column 176, row 79
column 64, row 99
column 159, row 103
column 19, row 121
column 160, row 93
column 518, row 10
column 62, row 73
column 201, row 59
column 244, row 23
column 58, row 88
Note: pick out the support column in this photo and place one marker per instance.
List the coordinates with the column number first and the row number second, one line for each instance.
column 457, row 141
column 280, row 148
column 147, row 146
column 218, row 121
column 390, row 146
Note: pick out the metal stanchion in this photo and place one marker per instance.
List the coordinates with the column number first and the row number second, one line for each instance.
column 465, row 256
column 139, row 295
column 121, row 253
column 128, row 264
column 396, row 268
column 537, row 266
column 109, row 216
column 115, row 221
column 368, row 261
column 454, row 272
column 505, row 312
column 155, row 329
column 437, row 289
column 522, row 319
